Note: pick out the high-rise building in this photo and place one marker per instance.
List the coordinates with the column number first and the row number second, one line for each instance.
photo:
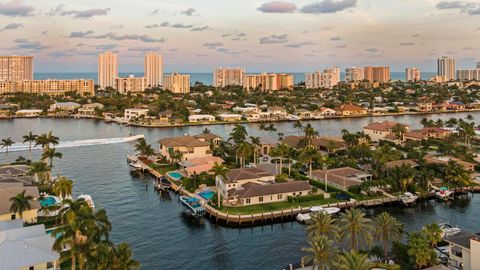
column 446, row 68
column 177, row 83
column 107, row 69
column 16, row 68
column 228, row 77
column 466, row 75
column 130, row 84
column 153, row 68
column 354, row 74
column 327, row 78
column 49, row 87
column 379, row 74
column 478, row 65
column 412, row 74
column 268, row 81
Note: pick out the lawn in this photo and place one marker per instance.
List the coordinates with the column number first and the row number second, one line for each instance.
column 163, row 169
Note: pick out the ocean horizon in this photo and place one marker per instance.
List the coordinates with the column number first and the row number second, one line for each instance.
column 205, row 78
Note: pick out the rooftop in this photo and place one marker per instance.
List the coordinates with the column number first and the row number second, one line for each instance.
column 9, row 190
column 246, row 174
column 186, row 141
column 383, row 126
column 254, row 190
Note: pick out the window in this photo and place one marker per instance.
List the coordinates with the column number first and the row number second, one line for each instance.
column 457, row 251
column 294, row 193
column 31, row 268
column 260, row 199
column 279, row 196
column 14, row 216
column 247, row 201
column 300, row 193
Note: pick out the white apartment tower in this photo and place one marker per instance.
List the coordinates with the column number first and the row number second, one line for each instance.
column 177, row 83
column 228, row 77
column 153, row 68
column 16, row 68
column 412, row 74
column 446, row 68
column 107, row 69
column 327, row 78
column 354, row 74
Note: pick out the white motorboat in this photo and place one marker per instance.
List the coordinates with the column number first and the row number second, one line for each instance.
column 135, row 165
column 408, row 198
column 444, row 195
column 449, row 230
column 88, row 199
column 302, row 218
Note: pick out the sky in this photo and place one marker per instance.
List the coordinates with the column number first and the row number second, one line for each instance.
column 260, row 35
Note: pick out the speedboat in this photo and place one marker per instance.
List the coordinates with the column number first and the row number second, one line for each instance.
column 449, row 230
column 444, row 194
column 408, row 198
column 135, row 165
column 193, row 204
column 88, row 199
column 303, row 218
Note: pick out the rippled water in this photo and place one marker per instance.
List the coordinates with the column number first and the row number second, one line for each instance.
column 161, row 234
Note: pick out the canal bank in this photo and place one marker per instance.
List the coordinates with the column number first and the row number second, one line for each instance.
column 163, row 235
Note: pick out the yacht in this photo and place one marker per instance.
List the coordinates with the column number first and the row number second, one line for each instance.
column 408, row 198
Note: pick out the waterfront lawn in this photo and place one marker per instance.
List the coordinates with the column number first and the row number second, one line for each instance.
column 163, row 169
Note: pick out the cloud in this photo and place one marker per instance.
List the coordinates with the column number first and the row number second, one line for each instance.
column 328, row 6
column 181, row 25
column 11, row 26
column 15, row 8
column 25, row 44
column 200, row 28
column 44, row 33
column 372, row 50
column 153, row 12
column 143, row 49
column 415, row 35
column 274, row 39
column 335, row 38
column 151, row 26
column 227, row 35
column 189, row 12
column 299, row 45
column 407, row 43
column 106, row 47
column 71, row 53
column 81, row 14
column 469, row 8
column 277, row 7
column 213, row 45
column 80, row 34
column 117, row 26
column 341, row 46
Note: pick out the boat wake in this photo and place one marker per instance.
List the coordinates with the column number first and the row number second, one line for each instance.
column 19, row 147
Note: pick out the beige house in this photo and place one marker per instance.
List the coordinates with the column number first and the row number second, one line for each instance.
column 350, row 109
column 304, row 114
column 254, row 193
column 28, row 113
column 229, row 117
column 238, row 177
column 199, row 165
column 188, row 146
column 135, row 113
column 209, row 137
column 194, row 118
column 430, row 159
column 424, row 106
column 277, row 112
column 378, row 131
column 11, row 189
column 427, row 132
column 322, row 112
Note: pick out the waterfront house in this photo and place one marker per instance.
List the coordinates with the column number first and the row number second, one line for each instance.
column 26, row 247
column 463, row 251
column 11, row 189
column 378, row 131
column 229, row 117
column 254, row 193
column 427, row 132
column 277, row 112
column 195, row 118
column 323, row 143
column 443, row 160
column 424, row 106
column 16, row 174
column 28, row 113
column 188, row 146
column 265, row 145
column 247, row 109
column 350, row 109
column 324, row 112
column 199, row 165
column 252, row 116
column 342, row 178
column 238, row 177
column 64, row 107
column 211, row 138
column 303, row 113
column 165, row 116
column 5, row 111
column 135, row 113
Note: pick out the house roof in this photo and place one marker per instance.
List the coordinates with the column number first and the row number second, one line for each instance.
column 322, row 141
column 254, row 190
column 461, row 239
column 201, row 161
column 246, row 174
column 207, row 137
column 22, row 247
column 400, row 163
column 349, row 107
column 186, row 141
column 345, row 176
column 10, row 170
column 11, row 189
column 276, row 108
column 382, row 126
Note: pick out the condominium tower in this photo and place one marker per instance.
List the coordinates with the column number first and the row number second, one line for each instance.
column 379, row 74
column 228, row 77
column 107, row 69
column 354, row 74
column 177, row 83
column 131, row 84
column 465, row 75
column 446, row 68
column 412, row 74
column 327, row 78
column 153, row 68
column 49, row 87
column 16, row 68
column 268, row 81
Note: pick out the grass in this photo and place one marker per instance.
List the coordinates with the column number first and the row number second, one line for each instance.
column 163, row 169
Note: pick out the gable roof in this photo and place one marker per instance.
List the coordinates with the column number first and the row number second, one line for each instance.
column 246, row 174
column 255, row 190
column 187, row 141
column 11, row 189
column 383, row 126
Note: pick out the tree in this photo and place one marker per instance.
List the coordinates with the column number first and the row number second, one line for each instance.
column 322, row 252
column 6, row 143
column 310, row 133
column 206, row 131
column 243, row 151
column 47, row 139
column 238, row 134
column 383, row 155
column 282, row 151
column 20, row 203
column 298, row 126
column 352, row 261
column 51, row 153
column 120, row 258
column 308, row 155
column 399, row 129
column 63, row 187
column 144, row 148
column 322, row 224
column 457, row 174
column 419, row 250
column 30, row 138
column 433, row 233
column 220, row 172
column 176, row 156
column 37, row 169
column 356, row 228
column 387, row 229
column 255, row 144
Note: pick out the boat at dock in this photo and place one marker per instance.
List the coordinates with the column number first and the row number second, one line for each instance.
column 303, row 218
column 162, row 183
column 193, row 204
column 449, row 230
column 408, row 199
column 88, row 199
column 444, row 194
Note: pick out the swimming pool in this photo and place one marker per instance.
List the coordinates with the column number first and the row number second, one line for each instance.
column 207, row 195
column 48, row 201
column 175, row 175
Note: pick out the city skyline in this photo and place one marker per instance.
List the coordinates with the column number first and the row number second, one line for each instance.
column 196, row 37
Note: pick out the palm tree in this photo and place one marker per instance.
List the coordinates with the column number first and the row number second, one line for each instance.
column 176, row 156
column 456, row 174
column 238, row 134
column 30, row 138
column 255, row 141
column 387, row 229
column 399, row 130
column 298, row 126
column 206, row 131
column 308, row 155
column 144, row 148
column 63, row 187
column 6, row 143
column 383, row 155
column 47, row 139
column 282, row 150
column 433, row 233
column 20, row 203
column 420, row 251
column 356, row 228
column 323, row 224
column 352, row 261
column 51, row 153
column 121, row 258
column 220, row 172
column 243, row 151
column 310, row 133
column 322, row 252
column 37, row 169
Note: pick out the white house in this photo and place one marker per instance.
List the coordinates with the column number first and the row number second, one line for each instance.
column 229, row 117
column 201, row 118
column 28, row 113
column 135, row 113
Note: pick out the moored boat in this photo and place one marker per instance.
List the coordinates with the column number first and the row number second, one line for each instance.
column 408, row 198
column 88, row 199
column 303, row 218
column 193, row 204
column 444, row 194
column 449, row 230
